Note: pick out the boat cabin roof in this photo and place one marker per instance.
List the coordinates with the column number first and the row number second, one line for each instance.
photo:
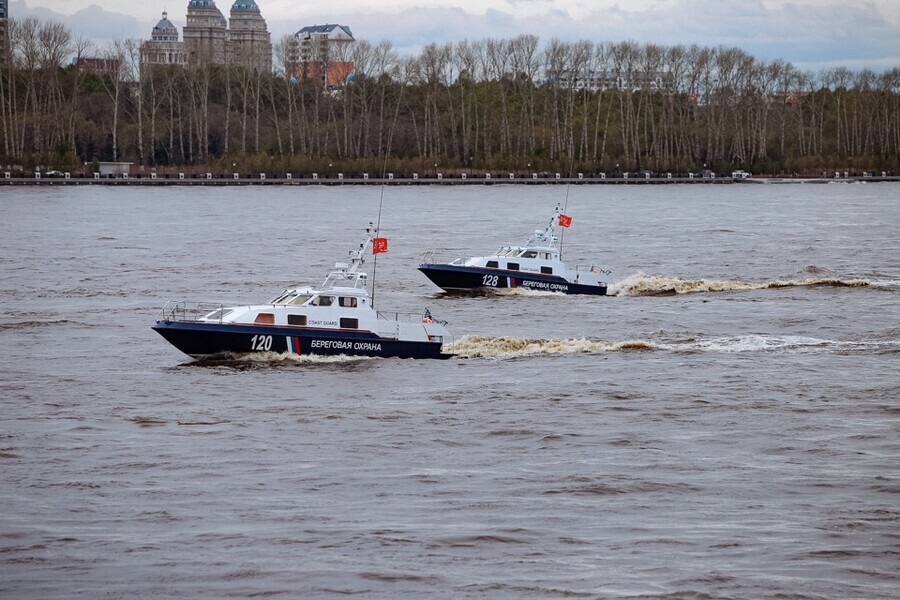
column 309, row 296
column 528, row 251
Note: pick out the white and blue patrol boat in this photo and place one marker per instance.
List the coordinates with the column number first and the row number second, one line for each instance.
column 536, row 265
column 336, row 318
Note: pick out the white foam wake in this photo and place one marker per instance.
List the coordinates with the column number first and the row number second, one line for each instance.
column 523, row 291
column 472, row 346
column 641, row 284
column 274, row 358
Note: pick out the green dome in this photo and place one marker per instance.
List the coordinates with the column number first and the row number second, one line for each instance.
column 245, row 6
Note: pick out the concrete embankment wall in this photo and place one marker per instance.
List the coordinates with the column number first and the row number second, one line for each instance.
column 476, row 179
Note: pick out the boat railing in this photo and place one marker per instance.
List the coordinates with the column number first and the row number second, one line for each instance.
column 180, row 311
column 592, row 269
column 429, row 259
column 400, row 317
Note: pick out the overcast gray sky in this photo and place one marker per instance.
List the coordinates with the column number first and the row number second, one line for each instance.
column 811, row 34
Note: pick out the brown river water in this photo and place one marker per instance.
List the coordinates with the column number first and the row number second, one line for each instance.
column 726, row 424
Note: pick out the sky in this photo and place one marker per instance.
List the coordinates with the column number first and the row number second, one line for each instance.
column 810, row 34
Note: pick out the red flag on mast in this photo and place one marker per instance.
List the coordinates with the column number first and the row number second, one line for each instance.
column 379, row 245
column 564, row 220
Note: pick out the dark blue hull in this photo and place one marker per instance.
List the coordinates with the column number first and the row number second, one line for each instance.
column 458, row 277
column 207, row 339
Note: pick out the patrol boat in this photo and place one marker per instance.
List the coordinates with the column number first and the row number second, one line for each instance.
column 336, row 318
column 537, row 265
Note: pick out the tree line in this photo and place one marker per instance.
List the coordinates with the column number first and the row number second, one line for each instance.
column 493, row 104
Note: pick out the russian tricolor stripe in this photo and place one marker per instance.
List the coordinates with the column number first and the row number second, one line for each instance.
column 293, row 345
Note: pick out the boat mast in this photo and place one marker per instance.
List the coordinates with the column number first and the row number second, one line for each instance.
column 562, row 230
column 377, row 229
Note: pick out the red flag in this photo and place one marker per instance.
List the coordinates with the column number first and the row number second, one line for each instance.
column 379, row 245
column 564, row 220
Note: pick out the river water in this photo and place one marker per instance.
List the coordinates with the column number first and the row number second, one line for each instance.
column 726, row 424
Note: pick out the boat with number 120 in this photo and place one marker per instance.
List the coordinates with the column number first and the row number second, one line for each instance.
column 335, row 318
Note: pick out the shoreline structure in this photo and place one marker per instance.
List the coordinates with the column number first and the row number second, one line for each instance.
column 209, row 179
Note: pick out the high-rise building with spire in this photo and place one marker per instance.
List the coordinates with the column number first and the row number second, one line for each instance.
column 164, row 47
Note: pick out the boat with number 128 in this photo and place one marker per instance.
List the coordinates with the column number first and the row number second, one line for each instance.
column 536, row 265
column 337, row 317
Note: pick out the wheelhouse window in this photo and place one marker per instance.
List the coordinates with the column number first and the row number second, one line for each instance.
column 529, row 254
column 218, row 315
column 291, row 297
column 348, row 323
column 324, row 300
column 347, row 301
column 297, row 320
column 512, row 266
column 493, row 264
column 265, row 318
column 547, row 270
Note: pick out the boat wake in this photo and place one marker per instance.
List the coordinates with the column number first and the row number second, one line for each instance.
column 796, row 344
column 521, row 291
column 274, row 359
column 489, row 292
column 642, row 284
column 474, row 346
column 471, row 346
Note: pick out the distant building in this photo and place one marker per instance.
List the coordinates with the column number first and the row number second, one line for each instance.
column 789, row 99
column 205, row 33
column 603, row 80
column 115, row 169
column 321, row 53
column 208, row 38
column 164, row 47
column 102, row 67
column 4, row 32
column 249, row 41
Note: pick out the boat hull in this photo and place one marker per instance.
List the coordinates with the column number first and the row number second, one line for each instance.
column 199, row 340
column 458, row 277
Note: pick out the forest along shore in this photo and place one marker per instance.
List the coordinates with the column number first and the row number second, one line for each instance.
column 464, row 179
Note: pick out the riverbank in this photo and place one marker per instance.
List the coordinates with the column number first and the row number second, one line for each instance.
column 183, row 179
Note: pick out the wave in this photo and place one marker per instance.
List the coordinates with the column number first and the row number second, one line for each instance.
column 642, row 284
column 522, row 291
column 756, row 343
column 273, row 359
column 493, row 292
column 37, row 324
column 889, row 284
column 475, row 346
column 472, row 346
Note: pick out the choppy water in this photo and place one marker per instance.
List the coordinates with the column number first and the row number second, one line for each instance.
column 727, row 425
